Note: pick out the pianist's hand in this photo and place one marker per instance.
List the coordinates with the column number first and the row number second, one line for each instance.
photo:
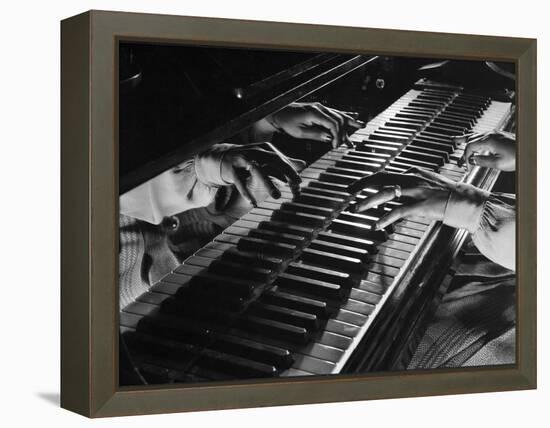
column 255, row 169
column 491, row 149
column 425, row 194
column 314, row 121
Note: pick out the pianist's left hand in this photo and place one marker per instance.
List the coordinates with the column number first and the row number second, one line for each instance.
column 314, row 121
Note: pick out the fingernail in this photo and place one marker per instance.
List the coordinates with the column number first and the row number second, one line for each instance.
column 360, row 122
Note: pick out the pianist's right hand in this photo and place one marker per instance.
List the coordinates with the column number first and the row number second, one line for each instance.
column 491, row 149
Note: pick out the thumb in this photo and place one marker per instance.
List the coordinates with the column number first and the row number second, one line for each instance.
column 489, row 161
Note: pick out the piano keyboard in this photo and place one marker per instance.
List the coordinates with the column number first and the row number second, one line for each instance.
column 295, row 285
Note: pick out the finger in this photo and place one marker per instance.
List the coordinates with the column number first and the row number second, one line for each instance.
column 399, row 213
column 385, row 179
column 385, row 195
column 239, row 182
column 258, row 176
column 298, row 164
column 353, row 114
column 316, row 134
column 275, row 162
column 319, row 117
column 490, row 161
column 289, row 170
column 336, row 115
column 348, row 119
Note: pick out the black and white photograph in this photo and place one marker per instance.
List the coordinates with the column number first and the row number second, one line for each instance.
column 293, row 214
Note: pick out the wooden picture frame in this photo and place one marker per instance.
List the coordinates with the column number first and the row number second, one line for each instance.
column 89, row 208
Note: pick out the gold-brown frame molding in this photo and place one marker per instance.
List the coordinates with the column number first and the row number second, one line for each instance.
column 89, row 212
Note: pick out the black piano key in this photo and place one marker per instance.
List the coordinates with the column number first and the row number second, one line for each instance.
column 262, row 246
column 185, row 330
column 308, row 209
column 476, row 113
column 403, row 159
column 323, row 258
column 338, row 187
column 305, row 304
column 253, row 350
column 282, row 227
column 298, row 218
column 299, row 241
column 358, row 165
column 332, row 177
column 374, row 158
column 441, row 155
column 286, row 315
column 254, row 259
column 385, row 136
column 322, row 274
column 274, row 329
column 310, row 286
column 462, row 124
column 320, row 200
column 237, row 270
column 423, row 117
column 424, row 156
column 235, row 365
column 463, row 118
column 224, row 284
column 403, row 124
column 337, row 194
column 420, row 143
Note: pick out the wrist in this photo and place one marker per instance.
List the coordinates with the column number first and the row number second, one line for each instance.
column 465, row 207
column 209, row 165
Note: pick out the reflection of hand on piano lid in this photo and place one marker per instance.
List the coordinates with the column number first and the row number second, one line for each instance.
column 252, row 169
column 428, row 195
column 313, row 121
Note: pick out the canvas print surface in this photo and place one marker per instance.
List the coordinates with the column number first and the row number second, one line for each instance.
column 289, row 214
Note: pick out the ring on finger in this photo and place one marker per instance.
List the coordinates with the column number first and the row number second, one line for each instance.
column 397, row 191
